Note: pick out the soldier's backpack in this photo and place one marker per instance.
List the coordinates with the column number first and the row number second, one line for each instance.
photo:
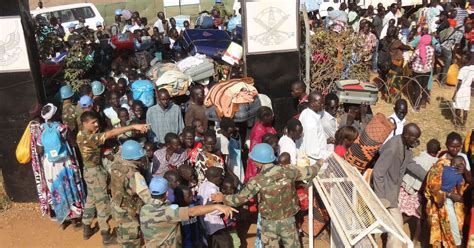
column 55, row 147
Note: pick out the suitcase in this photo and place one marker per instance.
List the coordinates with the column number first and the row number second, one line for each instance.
column 123, row 41
column 211, row 42
column 356, row 92
column 201, row 72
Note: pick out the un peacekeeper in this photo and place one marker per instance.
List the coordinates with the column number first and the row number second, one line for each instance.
column 95, row 175
column 277, row 205
column 160, row 220
column 129, row 192
column 69, row 115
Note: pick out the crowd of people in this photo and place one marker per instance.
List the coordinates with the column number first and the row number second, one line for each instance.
column 172, row 174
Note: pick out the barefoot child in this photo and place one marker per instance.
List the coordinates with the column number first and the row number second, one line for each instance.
column 462, row 95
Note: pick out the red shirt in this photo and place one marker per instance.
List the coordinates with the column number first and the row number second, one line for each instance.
column 452, row 23
column 340, row 150
column 256, row 135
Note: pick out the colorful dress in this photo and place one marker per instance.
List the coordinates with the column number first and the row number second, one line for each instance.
column 202, row 160
column 440, row 232
column 44, row 196
column 64, row 182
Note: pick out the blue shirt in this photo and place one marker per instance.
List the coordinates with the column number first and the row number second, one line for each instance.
column 450, row 179
column 163, row 121
column 191, row 233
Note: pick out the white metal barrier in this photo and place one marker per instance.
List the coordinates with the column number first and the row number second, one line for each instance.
column 356, row 212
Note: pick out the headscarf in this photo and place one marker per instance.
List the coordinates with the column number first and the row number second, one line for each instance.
column 48, row 111
column 424, row 41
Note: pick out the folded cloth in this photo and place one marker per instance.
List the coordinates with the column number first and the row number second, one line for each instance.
column 191, row 62
column 227, row 95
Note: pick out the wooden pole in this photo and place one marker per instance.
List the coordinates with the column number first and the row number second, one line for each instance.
column 307, row 79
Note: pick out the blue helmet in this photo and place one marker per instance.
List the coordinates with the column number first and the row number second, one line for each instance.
column 158, row 185
column 66, row 92
column 262, row 153
column 132, row 150
column 118, row 12
column 97, row 88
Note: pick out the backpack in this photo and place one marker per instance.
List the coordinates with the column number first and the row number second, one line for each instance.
column 384, row 59
column 144, row 91
column 54, row 146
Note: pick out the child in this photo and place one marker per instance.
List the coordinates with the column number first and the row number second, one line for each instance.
column 111, row 112
column 124, row 121
column 187, row 173
column 215, row 227
column 451, row 177
column 199, row 128
column 150, row 148
column 284, row 159
column 228, row 188
column 190, row 229
column 345, row 137
column 174, row 180
column 227, row 129
column 462, row 95
column 138, row 110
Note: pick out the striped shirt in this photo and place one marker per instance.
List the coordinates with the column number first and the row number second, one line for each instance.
column 460, row 16
column 163, row 121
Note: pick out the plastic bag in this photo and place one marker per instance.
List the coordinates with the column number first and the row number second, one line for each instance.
column 23, row 152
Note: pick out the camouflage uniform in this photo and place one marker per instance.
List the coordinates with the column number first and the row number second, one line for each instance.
column 129, row 190
column 95, row 177
column 275, row 191
column 159, row 222
column 69, row 116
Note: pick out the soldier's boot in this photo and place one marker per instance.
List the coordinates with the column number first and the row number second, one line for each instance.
column 88, row 232
column 107, row 238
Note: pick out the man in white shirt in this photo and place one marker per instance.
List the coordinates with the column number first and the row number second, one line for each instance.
column 398, row 118
column 291, row 142
column 314, row 140
column 391, row 14
column 330, row 125
column 159, row 22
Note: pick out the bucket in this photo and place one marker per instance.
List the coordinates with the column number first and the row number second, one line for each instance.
column 233, row 54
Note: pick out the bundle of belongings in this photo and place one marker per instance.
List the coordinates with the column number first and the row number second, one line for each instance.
column 227, row 98
column 177, row 78
column 198, row 67
column 369, row 142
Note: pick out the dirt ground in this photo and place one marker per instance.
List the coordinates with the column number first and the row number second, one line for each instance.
column 21, row 224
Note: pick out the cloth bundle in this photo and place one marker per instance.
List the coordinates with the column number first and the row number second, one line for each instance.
column 191, row 61
column 226, row 96
column 176, row 82
column 369, row 142
column 158, row 69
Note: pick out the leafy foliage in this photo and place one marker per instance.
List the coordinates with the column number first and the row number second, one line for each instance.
column 335, row 56
column 78, row 63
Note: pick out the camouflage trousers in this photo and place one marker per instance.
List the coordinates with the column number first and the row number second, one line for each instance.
column 128, row 234
column 275, row 230
column 97, row 197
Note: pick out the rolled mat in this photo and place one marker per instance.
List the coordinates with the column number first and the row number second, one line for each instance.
column 369, row 141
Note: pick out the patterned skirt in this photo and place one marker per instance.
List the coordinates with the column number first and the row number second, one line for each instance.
column 409, row 204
